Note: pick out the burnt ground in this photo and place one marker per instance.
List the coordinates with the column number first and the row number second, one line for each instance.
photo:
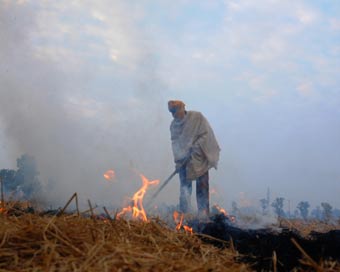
column 256, row 246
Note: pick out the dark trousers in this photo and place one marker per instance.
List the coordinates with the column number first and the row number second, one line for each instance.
column 202, row 193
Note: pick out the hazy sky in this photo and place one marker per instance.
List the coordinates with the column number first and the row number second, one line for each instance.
column 84, row 87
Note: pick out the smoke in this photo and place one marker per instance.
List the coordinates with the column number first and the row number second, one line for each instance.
column 84, row 84
column 51, row 109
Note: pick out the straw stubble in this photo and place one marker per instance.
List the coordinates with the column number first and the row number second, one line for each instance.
column 32, row 242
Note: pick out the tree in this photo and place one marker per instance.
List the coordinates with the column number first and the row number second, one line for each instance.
column 234, row 207
column 278, row 206
column 303, row 207
column 316, row 213
column 296, row 213
column 327, row 211
column 264, row 205
column 8, row 179
column 23, row 182
column 27, row 175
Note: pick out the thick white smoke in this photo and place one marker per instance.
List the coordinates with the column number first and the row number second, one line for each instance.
column 51, row 110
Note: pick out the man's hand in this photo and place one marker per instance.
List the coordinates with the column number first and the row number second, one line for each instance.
column 178, row 166
column 182, row 162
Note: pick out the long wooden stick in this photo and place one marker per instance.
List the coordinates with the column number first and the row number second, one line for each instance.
column 168, row 179
column 107, row 213
column 161, row 188
column 91, row 209
column 68, row 203
column 77, row 206
column 94, row 221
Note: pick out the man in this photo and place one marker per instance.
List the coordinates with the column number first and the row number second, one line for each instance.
column 195, row 151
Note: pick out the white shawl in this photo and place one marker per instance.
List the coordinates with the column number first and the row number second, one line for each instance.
column 194, row 131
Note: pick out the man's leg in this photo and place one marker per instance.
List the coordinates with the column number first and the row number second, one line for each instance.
column 202, row 194
column 185, row 191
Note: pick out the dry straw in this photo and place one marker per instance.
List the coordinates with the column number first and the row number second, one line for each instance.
column 76, row 242
column 73, row 243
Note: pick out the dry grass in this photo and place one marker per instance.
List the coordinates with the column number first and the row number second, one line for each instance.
column 70, row 243
column 305, row 227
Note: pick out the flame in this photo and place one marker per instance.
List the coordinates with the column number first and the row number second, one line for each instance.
column 221, row 210
column 232, row 218
column 188, row 229
column 2, row 207
column 137, row 208
column 109, row 175
column 179, row 222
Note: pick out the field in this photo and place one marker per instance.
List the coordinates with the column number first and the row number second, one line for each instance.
column 31, row 241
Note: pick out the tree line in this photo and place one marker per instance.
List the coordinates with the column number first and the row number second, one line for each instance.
column 324, row 212
column 22, row 183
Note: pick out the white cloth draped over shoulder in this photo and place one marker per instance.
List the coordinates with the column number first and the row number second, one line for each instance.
column 193, row 133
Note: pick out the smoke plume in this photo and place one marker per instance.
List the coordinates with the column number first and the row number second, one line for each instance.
column 50, row 109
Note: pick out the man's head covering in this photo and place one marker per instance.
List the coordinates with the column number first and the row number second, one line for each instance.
column 173, row 105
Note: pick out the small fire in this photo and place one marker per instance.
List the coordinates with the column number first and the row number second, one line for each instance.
column 137, row 208
column 217, row 209
column 179, row 222
column 188, row 229
column 2, row 207
column 109, row 175
column 221, row 210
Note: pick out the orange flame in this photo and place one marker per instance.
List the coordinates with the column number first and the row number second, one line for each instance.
column 137, row 209
column 221, row 210
column 232, row 218
column 188, row 229
column 179, row 222
column 109, row 175
column 2, row 207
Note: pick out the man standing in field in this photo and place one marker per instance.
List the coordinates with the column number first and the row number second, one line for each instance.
column 195, row 151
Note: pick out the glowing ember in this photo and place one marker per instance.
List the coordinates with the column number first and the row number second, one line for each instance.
column 188, row 229
column 217, row 209
column 137, row 209
column 221, row 210
column 109, row 175
column 2, row 207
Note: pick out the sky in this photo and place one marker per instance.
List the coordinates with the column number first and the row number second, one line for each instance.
column 84, row 87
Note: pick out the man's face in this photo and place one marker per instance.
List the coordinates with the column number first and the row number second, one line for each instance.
column 176, row 111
